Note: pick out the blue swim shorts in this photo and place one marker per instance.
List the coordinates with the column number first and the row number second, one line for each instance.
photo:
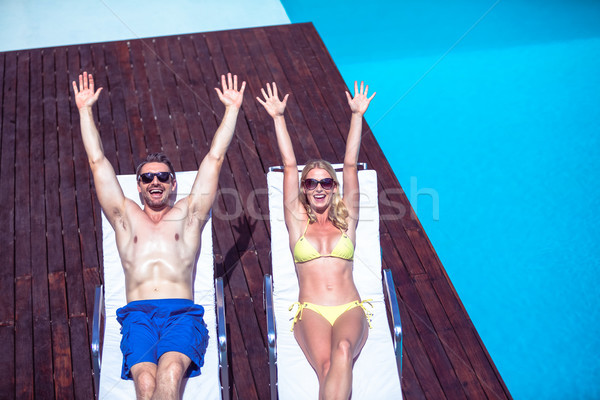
column 151, row 328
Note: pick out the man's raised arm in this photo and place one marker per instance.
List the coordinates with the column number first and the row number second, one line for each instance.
column 204, row 189
column 108, row 189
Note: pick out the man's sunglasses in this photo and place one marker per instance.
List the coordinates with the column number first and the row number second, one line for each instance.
column 311, row 184
column 149, row 176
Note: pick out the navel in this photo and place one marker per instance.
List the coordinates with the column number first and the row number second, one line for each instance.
column 135, row 239
column 177, row 236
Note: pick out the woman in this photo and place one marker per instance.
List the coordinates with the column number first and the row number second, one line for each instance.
column 331, row 324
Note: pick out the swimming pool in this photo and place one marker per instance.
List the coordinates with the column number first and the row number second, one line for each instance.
column 489, row 114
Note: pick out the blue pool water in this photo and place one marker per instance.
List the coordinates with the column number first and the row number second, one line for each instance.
column 489, row 113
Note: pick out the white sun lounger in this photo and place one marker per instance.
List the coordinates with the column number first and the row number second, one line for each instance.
column 108, row 357
column 376, row 372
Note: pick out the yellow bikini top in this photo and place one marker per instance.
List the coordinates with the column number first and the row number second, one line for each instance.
column 304, row 251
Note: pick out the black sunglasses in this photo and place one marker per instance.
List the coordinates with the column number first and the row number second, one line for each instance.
column 149, row 176
column 311, row 184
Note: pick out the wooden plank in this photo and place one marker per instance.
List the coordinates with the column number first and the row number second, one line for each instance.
column 73, row 264
column 241, row 237
column 144, row 102
column 90, row 56
column 159, row 104
column 23, row 311
column 410, row 309
column 177, row 90
column 471, row 351
column 2, row 77
column 85, row 214
column 66, row 60
column 51, row 170
column 86, row 63
column 133, row 118
column 304, row 145
column 254, row 278
column 112, row 53
column 249, row 171
column 78, row 309
column 83, row 385
column 318, row 86
column 22, row 214
column 255, row 349
column 42, row 359
column 61, row 348
column 104, row 124
column 7, row 247
column 312, row 134
column 7, row 196
column 23, row 339
column 310, row 101
column 239, row 54
column 237, row 320
column 42, row 340
column 194, row 97
column 7, row 360
column 201, row 68
column 268, row 70
column 243, row 386
column 409, row 382
column 170, row 109
column 104, row 107
column 236, row 286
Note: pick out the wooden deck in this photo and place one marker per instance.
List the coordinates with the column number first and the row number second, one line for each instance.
column 158, row 95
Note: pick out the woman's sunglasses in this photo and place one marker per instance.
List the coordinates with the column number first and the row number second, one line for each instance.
column 149, row 176
column 311, row 184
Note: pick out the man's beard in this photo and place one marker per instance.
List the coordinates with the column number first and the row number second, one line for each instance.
column 153, row 203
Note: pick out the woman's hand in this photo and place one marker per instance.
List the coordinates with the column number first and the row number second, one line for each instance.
column 360, row 102
column 272, row 104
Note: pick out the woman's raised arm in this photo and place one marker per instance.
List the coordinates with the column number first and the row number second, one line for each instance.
column 295, row 215
column 358, row 105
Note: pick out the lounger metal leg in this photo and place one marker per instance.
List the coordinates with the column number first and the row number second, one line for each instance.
column 222, row 334
column 271, row 334
column 390, row 291
column 96, row 325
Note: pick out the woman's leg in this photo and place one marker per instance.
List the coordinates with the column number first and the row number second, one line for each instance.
column 348, row 337
column 313, row 334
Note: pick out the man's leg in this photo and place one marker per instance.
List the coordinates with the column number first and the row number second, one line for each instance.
column 172, row 366
column 144, row 378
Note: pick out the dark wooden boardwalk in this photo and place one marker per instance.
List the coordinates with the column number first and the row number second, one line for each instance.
column 159, row 95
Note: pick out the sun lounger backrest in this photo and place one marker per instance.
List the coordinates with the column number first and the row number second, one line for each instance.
column 205, row 386
column 375, row 372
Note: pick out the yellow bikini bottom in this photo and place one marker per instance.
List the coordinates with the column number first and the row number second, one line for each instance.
column 330, row 313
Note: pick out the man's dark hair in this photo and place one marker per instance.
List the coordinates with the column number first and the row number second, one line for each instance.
column 155, row 157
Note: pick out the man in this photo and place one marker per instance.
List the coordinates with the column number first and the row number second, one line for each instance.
column 158, row 246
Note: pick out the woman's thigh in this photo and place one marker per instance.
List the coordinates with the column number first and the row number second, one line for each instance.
column 313, row 334
column 351, row 326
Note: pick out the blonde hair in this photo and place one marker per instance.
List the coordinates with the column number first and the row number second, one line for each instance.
column 338, row 213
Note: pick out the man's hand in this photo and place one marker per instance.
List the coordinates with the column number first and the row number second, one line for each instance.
column 360, row 102
column 230, row 96
column 85, row 95
column 272, row 104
